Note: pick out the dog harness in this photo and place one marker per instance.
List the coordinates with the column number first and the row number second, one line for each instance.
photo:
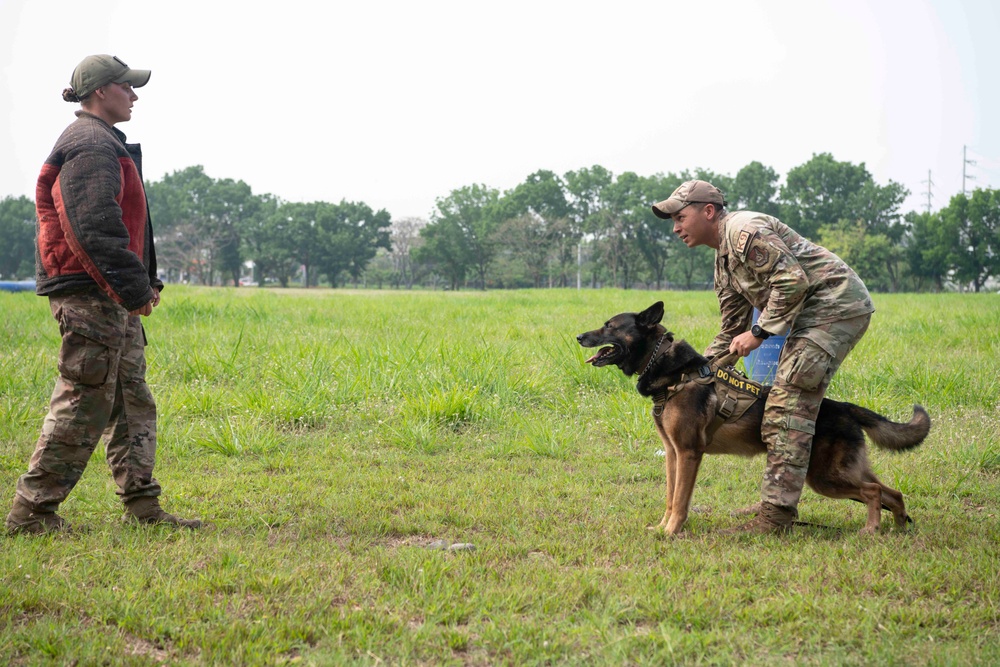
column 736, row 392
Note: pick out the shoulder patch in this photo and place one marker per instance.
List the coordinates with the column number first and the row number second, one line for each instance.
column 761, row 256
column 742, row 241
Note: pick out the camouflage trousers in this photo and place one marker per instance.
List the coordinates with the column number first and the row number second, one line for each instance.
column 101, row 390
column 808, row 361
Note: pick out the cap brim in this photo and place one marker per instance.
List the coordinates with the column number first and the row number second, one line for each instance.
column 136, row 77
column 666, row 208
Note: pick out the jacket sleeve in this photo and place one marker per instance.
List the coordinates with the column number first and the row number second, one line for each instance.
column 736, row 314
column 91, row 219
column 769, row 257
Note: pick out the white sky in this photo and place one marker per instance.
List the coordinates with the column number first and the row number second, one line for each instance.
column 397, row 103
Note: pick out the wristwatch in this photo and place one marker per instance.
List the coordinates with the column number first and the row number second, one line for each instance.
column 759, row 333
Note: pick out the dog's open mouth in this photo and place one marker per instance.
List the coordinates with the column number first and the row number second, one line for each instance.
column 604, row 356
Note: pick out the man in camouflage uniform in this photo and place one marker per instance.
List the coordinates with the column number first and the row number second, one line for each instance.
column 803, row 291
column 95, row 261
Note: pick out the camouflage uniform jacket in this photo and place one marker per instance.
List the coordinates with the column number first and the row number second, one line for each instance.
column 762, row 263
column 94, row 230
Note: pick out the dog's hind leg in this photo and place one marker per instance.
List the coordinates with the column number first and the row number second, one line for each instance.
column 871, row 495
column 892, row 500
column 875, row 495
column 880, row 497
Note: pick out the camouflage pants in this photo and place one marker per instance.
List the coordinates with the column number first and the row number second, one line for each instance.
column 807, row 364
column 101, row 390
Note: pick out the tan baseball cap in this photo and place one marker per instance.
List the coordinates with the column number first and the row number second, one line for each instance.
column 689, row 192
column 96, row 71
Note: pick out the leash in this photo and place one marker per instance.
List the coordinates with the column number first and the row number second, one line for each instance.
column 814, row 525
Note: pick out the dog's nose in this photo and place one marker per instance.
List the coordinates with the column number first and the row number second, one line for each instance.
column 579, row 338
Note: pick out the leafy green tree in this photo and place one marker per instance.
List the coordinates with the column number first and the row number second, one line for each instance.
column 838, row 203
column 303, row 238
column 755, row 188
column 445, row 249
column 821, row 191
column 625, row 217
column 472, row 214
column 976, row 218
column 265, row 243
column 693, row 268
column 542, row 193
column 528, row 240
column 231, row 207
column 931, row 244
column 178, row 207
column 17, row 237
column 349, row 235
column 867, row 253
column 587, row 189
column 536, row 226
column 654, row 236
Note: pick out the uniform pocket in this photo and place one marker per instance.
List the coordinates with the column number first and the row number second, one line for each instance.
column 94, row 317
column 810, row 366
column 83, row 360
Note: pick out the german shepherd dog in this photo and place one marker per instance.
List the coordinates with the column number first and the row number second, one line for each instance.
column 838, row 467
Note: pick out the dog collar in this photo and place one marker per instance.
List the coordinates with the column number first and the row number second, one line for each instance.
column 653, row 357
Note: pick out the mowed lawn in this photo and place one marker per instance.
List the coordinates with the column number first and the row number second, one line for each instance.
column 338, row 442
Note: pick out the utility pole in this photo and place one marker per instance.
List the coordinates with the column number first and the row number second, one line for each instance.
column 966, row 161
column 930, row 184
column 579, row 263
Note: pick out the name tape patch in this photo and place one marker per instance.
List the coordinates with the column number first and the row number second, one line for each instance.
column 738, row 382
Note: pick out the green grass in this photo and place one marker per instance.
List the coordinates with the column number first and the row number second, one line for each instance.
column 330, row 437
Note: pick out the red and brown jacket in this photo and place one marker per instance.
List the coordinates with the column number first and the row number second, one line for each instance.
column 93, row 219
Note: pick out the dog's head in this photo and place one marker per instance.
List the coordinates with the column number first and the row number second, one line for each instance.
column 627, row 339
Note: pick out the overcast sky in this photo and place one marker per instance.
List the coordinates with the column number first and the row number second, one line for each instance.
column 398, row 103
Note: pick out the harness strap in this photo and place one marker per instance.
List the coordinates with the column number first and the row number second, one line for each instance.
column 731, row 401
column 727, row 406
column 704, row 375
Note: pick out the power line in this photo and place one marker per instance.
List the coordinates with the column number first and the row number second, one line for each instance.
column 966, row 161
column 930, row 184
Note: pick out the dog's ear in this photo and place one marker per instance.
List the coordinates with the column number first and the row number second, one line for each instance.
column 651, row 316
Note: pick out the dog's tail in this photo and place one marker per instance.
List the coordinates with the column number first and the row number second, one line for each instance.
column 891, row 435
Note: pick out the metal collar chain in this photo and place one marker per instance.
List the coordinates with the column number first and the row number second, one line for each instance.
column 653, row 357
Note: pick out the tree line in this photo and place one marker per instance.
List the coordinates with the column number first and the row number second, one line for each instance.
column 588, row 227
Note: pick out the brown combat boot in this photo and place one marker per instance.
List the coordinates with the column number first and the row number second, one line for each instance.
column 23, row 520
column 770, row 519
column 754, row 509
column 746, row 511
column 146, row 509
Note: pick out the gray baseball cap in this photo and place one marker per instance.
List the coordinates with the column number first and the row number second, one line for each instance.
column 96, row 71
column 689, row 192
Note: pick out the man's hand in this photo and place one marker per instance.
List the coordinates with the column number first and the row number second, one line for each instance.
column 147, row 309
column 745, row 343
column 144, row 311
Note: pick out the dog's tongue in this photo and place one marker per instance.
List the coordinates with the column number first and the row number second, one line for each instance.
column 603, row 352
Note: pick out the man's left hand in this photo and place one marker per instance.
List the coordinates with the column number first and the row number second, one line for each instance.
column 745, row 343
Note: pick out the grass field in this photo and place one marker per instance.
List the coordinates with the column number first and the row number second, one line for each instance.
column 332, row 440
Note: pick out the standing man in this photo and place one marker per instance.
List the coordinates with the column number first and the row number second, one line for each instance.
column 95, row 261
column 803, row 291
